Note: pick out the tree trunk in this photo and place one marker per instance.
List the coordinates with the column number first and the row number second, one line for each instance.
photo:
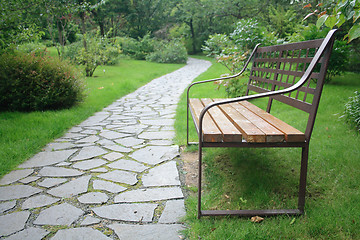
column 83, row 30
column 193, row 36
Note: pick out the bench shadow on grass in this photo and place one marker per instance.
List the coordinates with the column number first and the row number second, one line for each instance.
column 251, row 178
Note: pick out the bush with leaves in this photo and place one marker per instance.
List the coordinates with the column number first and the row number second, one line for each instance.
column 35, row 83
column 249, row 32
column 98, row 51
column 352, row 110
column 339, row 60
column 336, row 13
column 33, row 47
column 169, row 52
column 138, row 49
column 232, row 51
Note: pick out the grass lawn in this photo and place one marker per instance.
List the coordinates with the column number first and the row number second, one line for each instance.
column 24, row 134
column 268, row 178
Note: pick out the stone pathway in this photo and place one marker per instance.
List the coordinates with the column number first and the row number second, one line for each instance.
column 114, row 176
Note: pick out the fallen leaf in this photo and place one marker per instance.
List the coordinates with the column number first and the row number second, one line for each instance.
column 100, row 87
column 257, row 219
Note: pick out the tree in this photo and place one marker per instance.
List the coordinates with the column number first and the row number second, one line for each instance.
column 336, row 13
column 59, row 15
column 19, row 21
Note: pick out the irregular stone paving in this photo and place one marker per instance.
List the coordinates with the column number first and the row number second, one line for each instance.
column 114, row 176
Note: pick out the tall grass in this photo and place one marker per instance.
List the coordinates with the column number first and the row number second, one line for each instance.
column 268, row 178
column 24, row 134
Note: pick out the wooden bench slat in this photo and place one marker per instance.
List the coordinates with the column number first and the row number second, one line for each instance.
column 230, row 132
column 272, row 133
column 211, row 133
column 291, row 133
column 249, row 131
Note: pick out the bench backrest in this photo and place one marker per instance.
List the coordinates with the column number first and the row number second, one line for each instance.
column 281, row 66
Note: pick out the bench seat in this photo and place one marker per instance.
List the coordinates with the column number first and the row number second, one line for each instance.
column 241, row 121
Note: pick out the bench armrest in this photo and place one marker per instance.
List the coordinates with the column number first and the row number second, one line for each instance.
column 224, row 78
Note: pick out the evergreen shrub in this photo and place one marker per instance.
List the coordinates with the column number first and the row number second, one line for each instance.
column 35, row 83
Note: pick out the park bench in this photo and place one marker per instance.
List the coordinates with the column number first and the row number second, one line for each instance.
column 293, row 74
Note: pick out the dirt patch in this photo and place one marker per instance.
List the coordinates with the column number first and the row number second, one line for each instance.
column 190, row 167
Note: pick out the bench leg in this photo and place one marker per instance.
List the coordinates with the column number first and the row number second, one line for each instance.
column 250, row 213
column 303, row 175
column 199, row 181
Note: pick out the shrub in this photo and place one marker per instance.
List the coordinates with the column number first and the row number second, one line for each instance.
column 339, row 59
column 99, row 51
column 171, row 52
column 138, row 49
column 352, row 110
column 35, row 83
column 248, row 33
column 32, row 47
column 232, row 51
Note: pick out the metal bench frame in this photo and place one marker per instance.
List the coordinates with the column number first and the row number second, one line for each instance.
column 261, row 82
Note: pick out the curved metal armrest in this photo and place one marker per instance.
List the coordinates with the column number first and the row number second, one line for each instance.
column 224, row 78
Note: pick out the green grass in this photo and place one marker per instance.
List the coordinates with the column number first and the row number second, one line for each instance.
column 24, row 134
column 268, row 178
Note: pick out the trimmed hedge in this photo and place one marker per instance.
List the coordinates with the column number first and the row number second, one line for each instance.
column 36, row 83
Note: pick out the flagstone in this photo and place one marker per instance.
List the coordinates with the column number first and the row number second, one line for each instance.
column 130, row 141
column 48, row 158
column 29, row 180
column 162, row 175
column 120, row 177
column 173, row 212
column 39, row 201
column 50, row 182
column 89, row 139
column 93, row 198
column 13, row 222
column 81, row 233
column 128, row 165
column 148, row 232
column 58, row 146
column 89, row 220
column 89, row 164
column 155, row 154
column 89, row 152
column 59, row 172
column 118, row 148
column 147, row 195
column 63, row 214
column 30, row 233
column 71, row 188
column 17, row 191
column 15, row 176
column 99, row 170
column 5, row 206
column 138, row 212
column 113, row 156
column 112, row 134
column 108, row 186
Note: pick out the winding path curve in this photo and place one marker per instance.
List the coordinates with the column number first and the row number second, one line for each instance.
column 114, row 176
